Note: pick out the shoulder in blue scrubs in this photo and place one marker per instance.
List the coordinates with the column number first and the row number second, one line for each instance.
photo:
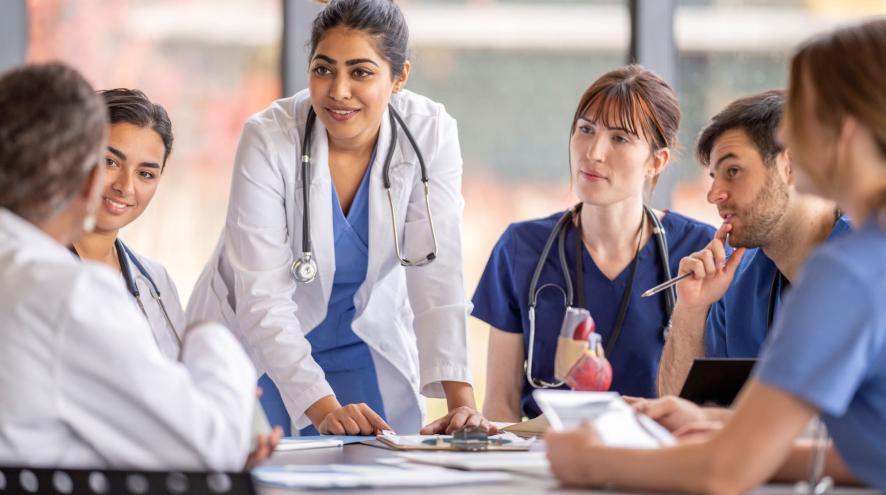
column 501, row 299
column 345, row 359
column 737, row 324
column 828, row 347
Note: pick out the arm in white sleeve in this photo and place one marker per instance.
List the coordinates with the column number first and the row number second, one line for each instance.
column 436, row 291
column 257, row 246
column 138, row 409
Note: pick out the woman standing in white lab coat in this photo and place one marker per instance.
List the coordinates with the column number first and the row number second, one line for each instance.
column 83, row 383
column 352, row 351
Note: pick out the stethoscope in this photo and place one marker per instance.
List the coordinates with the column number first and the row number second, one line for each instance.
column 304, row 269
column 127, row 260
column 559, row 234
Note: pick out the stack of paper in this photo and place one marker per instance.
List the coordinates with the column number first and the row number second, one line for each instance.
column 365, row 476
column 305, row 443
column 531, row 463
column 318, row 442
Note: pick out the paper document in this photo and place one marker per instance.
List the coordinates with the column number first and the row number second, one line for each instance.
column 614, row 420
column 368, row 476
column 305, row 443
column 535, row 427
column 500, row 442
column 531, row 463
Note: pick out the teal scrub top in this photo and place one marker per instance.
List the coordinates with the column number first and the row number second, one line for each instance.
column 828, row 347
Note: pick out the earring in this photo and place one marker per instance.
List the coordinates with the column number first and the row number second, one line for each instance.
column 89, row 222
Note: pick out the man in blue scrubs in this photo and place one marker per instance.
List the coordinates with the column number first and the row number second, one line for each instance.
column 726, row 309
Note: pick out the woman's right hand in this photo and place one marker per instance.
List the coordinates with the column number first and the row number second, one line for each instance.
column 671, row 412
column 712, row 272
column 352, row 419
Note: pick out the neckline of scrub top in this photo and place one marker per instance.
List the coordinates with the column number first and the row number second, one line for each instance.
column 620, row 279
column 357, row 219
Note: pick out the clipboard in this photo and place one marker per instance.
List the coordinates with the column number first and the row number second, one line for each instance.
column 505, row 442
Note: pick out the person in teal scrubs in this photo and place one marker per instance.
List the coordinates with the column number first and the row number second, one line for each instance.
column 826, row 354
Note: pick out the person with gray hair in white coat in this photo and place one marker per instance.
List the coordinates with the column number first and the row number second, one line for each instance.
column 83, row 382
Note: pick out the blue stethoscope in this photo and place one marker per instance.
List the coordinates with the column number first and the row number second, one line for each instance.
column 304, row 269
column 127, row 261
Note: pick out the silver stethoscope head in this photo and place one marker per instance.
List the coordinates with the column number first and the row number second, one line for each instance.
column 304, row 269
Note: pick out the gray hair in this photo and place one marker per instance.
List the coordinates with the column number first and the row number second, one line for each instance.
column 53, row 129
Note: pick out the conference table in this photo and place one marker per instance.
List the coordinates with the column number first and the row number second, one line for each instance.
column 520, row 483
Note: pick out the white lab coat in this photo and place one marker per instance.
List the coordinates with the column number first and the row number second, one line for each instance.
column 168, row 338
column 83, row 383
column 414, row 320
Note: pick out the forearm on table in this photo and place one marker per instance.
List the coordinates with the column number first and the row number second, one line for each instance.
column 797, row 466
column 683, row 468
column 685, row 342
column 459, row 394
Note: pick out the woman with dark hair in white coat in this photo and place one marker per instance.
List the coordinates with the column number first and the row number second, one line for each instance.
column 374, row 215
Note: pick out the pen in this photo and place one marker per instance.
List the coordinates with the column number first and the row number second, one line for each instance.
column 660, row 287
column 664, row 285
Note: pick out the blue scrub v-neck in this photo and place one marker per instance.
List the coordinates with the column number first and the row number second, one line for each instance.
column 345, row 359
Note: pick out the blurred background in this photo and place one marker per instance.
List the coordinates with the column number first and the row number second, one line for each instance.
column 510, row 72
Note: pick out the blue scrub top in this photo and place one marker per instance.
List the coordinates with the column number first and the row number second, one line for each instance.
column 501, row 299
column 345, row 359
column 828, row 347
column 737, row 324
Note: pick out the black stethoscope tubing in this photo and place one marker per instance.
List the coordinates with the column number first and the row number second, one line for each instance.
column 304, row 269
column 559, row 234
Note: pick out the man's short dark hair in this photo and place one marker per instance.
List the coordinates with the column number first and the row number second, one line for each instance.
column 758, row 116
column 52, row 133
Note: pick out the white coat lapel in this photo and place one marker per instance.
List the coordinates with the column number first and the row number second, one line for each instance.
column 321, row 209
column 381, row 239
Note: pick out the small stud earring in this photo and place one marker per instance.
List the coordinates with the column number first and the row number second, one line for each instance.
column 89, row 222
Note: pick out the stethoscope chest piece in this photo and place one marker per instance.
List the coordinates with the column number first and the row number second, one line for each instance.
column 304, row 269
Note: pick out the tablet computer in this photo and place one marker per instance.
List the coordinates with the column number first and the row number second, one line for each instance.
column 716, row 381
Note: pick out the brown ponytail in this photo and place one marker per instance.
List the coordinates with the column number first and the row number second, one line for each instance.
column 845, row 73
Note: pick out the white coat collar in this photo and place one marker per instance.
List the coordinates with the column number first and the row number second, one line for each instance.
column 28, row 234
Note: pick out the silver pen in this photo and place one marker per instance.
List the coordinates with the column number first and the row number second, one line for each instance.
column 664, row 285
column 660, row 287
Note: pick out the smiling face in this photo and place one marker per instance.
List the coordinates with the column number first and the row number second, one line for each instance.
column 610, row 163
column 350, row 85
column 132, row 172
column 748, row 193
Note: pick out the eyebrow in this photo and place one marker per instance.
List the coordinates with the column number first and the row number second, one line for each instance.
column 724, row 158
column 353, row 61
column 622, row 129
column 122, row 156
